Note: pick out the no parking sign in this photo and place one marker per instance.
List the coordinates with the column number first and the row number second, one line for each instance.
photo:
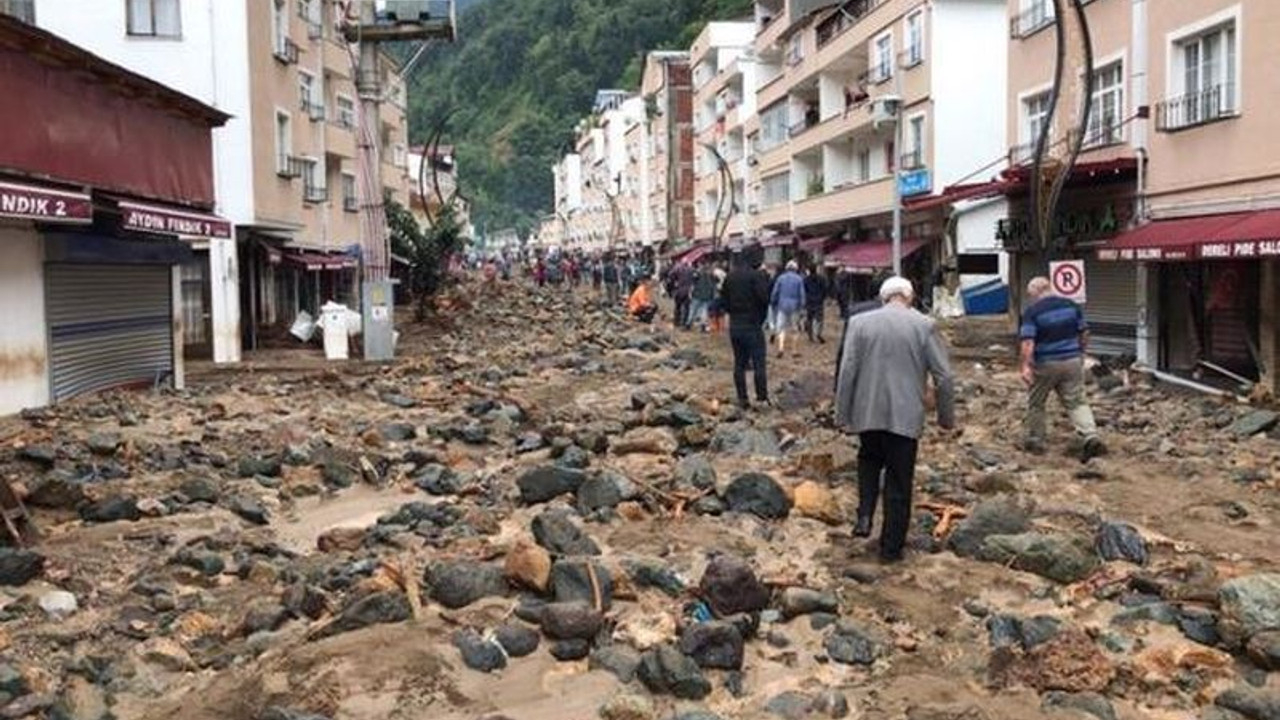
column 1067, row 278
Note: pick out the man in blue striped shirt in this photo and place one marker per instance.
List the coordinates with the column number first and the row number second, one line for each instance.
column 1054, row 338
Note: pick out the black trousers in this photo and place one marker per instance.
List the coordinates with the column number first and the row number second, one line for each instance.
column 813, row 322
column 646, row 313
column 682, row 311
column 749, row 351
column 895, row 457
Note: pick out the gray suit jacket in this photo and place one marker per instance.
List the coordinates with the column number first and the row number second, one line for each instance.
column 887, row 353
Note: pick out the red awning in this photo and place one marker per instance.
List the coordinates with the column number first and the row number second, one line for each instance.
column 817, row 244
column 696, row 254
column 320, row 261
column 1234, row 236
column 777, row 240
column 957, row 193
column 870, row 255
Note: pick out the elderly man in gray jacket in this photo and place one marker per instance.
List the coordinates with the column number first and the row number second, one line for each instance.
column 881, row 396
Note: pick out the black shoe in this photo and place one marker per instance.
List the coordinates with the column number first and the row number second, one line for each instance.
column 892, row 558
column 1093, row 448
column 862, row 528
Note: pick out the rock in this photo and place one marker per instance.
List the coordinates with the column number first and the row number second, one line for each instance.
column 478, row 652
column 604, row 492
column 81, row 700
column 1005, row 630
column 209, row 564
column 398, row 432
column 676, row 415
column 264, row 616
column 548, row 483
column 58, row 604
column 59, row 490
column 377, row 609
column 530, row 442
column 815, row 501
column 251, row 466
column 714, row 644
column 957, row 711
column 570, row 621
column 999, row 516
column 18, row 567
column 697, row 715
column 1090, row 703
column 1264, row 650
column 458, row 584
column 199, row 490
column 745, row 442
column 646, row 573
column 1063, row 558
column 529, row 566
column 1249, row 605
column 795, row 602
column 103, row 443
column 1070, row 662
column 166, row 653
column 339, row 475
column 1199, row 625
column 758, row 494
column 832, row 704
column 626, row 706
column 645, row 441
column 397, row 400
column 304, row 600
column 571, row 581
column 790, row 705
column 709, row 505
column 850, row 645
column 664, row 670
column 1119, row 541
column 574, row 457
column 517, row 640
column 570, row 650
column 43, row 455
column 1258, row 421
column 731, row 587
column 348, row 539
column 281, row 713
column 436, row 479
column 1253, row 703
column 695, row 472
column 248, row 508
column 112, row 509
column 554, row 531
column 1156, row 612
column 620, row 660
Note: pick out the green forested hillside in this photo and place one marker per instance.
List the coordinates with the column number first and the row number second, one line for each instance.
column 523, row 72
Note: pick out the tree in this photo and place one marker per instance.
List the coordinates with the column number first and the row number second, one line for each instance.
column 428, row 251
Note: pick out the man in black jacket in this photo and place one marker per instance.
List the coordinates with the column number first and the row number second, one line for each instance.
column 745, row 296
column 815, row 293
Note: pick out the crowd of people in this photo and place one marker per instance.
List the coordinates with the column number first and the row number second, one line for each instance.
column 888, row 353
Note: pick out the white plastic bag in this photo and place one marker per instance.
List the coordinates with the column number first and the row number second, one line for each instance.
column 304, row 327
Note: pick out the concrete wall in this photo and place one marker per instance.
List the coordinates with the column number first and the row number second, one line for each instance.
column 968, row 43
column 24, row 355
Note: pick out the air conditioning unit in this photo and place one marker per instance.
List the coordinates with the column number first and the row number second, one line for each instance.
column 884, row 110
column 753, row 208
column 752, row 160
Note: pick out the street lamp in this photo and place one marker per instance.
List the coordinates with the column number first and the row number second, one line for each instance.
column 726, row 180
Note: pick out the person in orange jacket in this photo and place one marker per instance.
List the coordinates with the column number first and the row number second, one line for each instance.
column 640, row 305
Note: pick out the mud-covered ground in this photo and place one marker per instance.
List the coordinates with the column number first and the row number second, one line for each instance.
column 289, row 540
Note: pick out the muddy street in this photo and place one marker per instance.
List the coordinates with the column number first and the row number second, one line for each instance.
column 544, row 511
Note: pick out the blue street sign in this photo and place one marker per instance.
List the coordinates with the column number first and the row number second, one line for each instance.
column 914, row 182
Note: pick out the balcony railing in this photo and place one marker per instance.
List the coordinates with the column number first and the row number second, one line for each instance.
column 1037, row 16
column 289, row 166
column 1186, row 111
column 844, row 18
column 314, row 193
column 913, row 160
column 911, row 57
column 286, row 51
column 1021, row 154
column 808, row 121
column 350, row 204
column 314, row 110
column 880, row 72
column 1109, row 133
column 24, row 10
column 410, row 11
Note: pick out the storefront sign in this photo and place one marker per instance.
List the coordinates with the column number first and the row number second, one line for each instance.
column 1069, row 226
column 914, row 182
column 168, row 221
column 1242, row 250
column 31, row 202
column 1154, row 254
column 1235, row 250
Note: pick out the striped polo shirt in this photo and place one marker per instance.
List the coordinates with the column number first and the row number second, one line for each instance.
column 1055, row 324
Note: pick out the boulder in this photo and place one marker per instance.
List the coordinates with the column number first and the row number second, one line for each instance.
column 529, row 566
column 59, row 490
column 745, row 442
column 645, row 441
column 795, row 602
column 18, row 567
column 253, row 465
column 1253, row 703
column 547, row 483
column 112, row 509
column 1089, row 703
column 1249, row 605
column 346, row 539
column 458, row 584
column 248, row 508
column 999, row 516
column 1070, row 662
column 437, row 479
column 103, row 443
column 42, row 455
column 666, row 671
column 627, row 706
column 571, row 581
column 851, row 645
column 1264, row 650
column 1058, row 557
column 1120, row 541
column 1258, row 421
column 816, row 501
column 58, row 604
column 758, row 494
column 376, row 609
column 604, row 491
column 517, row 640
column 199, row 490
column 570, row 650
column 695, row 473
column 790, row 705
column 714, row 644
column 570, row 621
column 620, row 660
column 554, row 531
column 731, row 587
column 649, row 573
column 478, row 652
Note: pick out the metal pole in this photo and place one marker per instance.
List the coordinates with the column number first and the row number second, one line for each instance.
column 376, row 299
column 897, row 173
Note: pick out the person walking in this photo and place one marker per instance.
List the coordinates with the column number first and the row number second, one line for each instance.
column 788, row 300
column 610, row 276
column 682, row 293
column 745, row 297
column 881, row 396
column 704, row 291
column 1054, row 338
column 815, row 295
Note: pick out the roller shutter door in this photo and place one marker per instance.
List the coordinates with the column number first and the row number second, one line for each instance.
column 1112, row 307
column 109, row 325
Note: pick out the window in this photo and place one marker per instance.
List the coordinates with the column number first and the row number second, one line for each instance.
column 915, row 40
column 1205, row 73
column 309, row 11
column 882, row 59
column 795, row 50
column 773, row 127
column 306, row 90
column 1035, row 113
column 313, row 190
column 24, row 10
column 399, row 156
column 1106, row 115
column 914, row 157
column 864, row 165
column 156, row 18
column 284, row 143
column 280, row 27
column 1034, row 15
column 350, row 202
column 346, row 111
column 775, row 190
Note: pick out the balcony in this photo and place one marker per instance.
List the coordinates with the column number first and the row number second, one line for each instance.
column 845, row 17
column 313, row 110
column 314, row 194
column 773, row 216
column 913, row 160
column 289, row 166
column 285, row 51
column 350, row 204
column 1037, row 16
column 24, row 10
column 1194, row 109
column 880, row 72
column 810, row 120
column 911, row 57
column 339, row 141
column 846, row 202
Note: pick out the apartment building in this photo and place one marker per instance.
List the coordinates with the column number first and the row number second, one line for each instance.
column 724, row 70
column 433, row 184
column 596, row 196
column 667, row 88
column 285, row 164
column 833, row 84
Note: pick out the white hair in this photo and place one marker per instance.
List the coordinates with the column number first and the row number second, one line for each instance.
column 1039, row 287
column 897, row 286
column 793, row 265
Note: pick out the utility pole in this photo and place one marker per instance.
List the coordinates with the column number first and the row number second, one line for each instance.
column 401, row 21
column 897, row 170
